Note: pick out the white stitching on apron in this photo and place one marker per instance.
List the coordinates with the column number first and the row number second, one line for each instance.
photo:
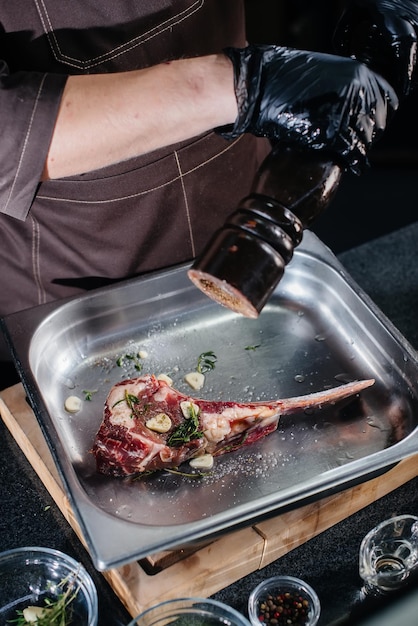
column 25, row 144
column 36, row 240
column 143, row 193
column 186, row 204
column 123, row 48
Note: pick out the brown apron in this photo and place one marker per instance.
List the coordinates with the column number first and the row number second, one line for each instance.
column 147, row 213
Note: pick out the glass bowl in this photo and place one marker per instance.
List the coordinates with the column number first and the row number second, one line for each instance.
column 190, row 612
column 285, row 600
column 36, row 577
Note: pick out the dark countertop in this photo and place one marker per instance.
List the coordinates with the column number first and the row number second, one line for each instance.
column 387, row 270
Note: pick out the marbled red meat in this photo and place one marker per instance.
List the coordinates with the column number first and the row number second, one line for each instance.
column 126, row 443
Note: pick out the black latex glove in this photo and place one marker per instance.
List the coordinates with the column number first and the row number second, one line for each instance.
column 310, row 100
column 383, row 34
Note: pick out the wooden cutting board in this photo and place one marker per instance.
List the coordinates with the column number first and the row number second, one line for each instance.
column 204, row 570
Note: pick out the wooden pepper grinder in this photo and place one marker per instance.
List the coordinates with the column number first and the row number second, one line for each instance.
column 245, row 259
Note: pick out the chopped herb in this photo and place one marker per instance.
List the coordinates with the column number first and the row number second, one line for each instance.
column 187, row 430
column 135, row 358
column 88, row 393
column 206, row 362
column 252, row 347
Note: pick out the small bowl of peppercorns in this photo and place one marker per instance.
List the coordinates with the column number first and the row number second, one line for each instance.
column 283, row 601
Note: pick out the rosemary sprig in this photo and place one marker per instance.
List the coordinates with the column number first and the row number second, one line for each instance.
column 193, row 475
column 170, row 470
column 206, row 362
column 133, row 401
column 187, row 430
column 234, row 445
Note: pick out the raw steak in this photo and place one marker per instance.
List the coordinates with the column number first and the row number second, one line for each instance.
column 148, row 425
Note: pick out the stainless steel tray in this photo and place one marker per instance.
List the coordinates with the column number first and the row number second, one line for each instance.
column 317, row 330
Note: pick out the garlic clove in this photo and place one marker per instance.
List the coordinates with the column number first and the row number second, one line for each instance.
column 196, row 380
column 205, row 461
column 160, row 423
column 72, row 404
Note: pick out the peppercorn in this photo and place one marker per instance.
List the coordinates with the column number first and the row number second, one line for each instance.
column 284, row 609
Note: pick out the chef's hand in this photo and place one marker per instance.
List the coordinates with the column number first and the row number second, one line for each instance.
column 310, row 100
column 383, row 34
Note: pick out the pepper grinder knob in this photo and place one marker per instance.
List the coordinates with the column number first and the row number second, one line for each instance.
column 245, row 259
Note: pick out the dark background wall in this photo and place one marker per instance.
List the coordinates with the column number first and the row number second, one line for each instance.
column 382, row 199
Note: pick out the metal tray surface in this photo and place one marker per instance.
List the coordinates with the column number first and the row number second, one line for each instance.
column 317, row 330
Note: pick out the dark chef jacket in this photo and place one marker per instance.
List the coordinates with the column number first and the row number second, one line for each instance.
column 63, row 236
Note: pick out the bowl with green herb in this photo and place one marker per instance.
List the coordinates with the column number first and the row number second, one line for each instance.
column 190, row 612
column 45, row 587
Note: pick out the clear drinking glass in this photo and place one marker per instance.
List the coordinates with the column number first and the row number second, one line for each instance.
column 389, row 554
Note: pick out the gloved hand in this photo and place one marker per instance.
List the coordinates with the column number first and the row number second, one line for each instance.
column 383, row 34
column 310, row 100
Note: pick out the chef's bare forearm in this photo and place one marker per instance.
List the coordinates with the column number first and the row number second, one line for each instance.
column 107, row 118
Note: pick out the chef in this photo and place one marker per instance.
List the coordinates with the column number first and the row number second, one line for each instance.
column 129, row 133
